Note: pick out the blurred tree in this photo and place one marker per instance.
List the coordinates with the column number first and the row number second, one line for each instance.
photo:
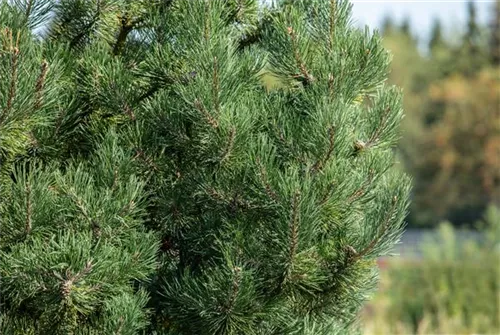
column 460, row 166
column 388, row 25
column 447, row 97
column 436, row 39
column 406, row 26
column 495, row 34
column 471, row 37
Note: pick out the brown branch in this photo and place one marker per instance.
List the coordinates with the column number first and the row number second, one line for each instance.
column 40, row 84
column 327, row 194
column 28, row 9
column 294, row 234
column 331, row 79
column 332, row 23
column 215, row 86
column 385, row 226
column 322, row 161
column 128, row 110
column 206, row 26
column 29, row 210
column 199, row 106
column 230, row 144
column 302, row 67
column 375, row 136
column 234, row 289
column 68, row 283
column 361, row 191
column 265, row 181
column 12, row 87
column 148, row 160
column 125, row 28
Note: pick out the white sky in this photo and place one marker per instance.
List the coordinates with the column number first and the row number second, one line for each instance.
column 421, row 13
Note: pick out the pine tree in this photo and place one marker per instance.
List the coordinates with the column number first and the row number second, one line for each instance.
column 436, row 39
column 388, row 25
column 406, row 26
column 495, row 34
column 472, row 34
column 171, row 193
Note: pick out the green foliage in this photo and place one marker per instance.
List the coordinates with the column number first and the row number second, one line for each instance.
column 168, row 191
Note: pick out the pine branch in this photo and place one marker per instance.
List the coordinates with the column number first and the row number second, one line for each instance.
column 75, row 40
column 215, row 87
column 320, row 163
column 331, row 79
column 68, row 283
column 265, row 181
column 306, row 76
column 375, row 137
column 148, row 160
column 361, row 191
column 332, row 23
column 126, row 27
column 234, row 289
column 13, row 77
column 327, row 194
column 385, row 225
column 293, row 226
column 28, row 9
column 199, row 106
column 207, row 25
column 40, row 84
column 230, row 144
column 29, row 210
column 128, row 110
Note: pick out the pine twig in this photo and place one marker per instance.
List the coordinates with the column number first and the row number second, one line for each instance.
column 376, row 135
column 13, row 80
column 229, row 147
column 235, row 288
column 207, row 25
column 331, row 80
column 148, row 160
column 125, row 28
column 327, row 194
column 40, row 84
column 385, row 226
column 68, row 283
column 215, row 86
column 318, row 166
column 293, row 226
column 308, row 78
column 332, row 23
column 265, row 181
column 199, row 106
column 361, row 191
column 29, row 209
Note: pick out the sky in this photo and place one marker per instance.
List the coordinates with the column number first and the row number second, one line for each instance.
column 420, row 12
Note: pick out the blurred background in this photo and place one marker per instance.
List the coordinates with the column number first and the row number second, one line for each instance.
column 446, row 57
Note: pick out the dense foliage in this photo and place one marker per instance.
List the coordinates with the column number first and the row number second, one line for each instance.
column 150, row 183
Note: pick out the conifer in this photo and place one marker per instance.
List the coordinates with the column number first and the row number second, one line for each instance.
column 170, row 192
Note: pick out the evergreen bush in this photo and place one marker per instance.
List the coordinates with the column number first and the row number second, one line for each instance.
column 151, row 183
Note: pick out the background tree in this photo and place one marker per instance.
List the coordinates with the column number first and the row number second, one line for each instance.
column 450, row 128
column 495, row 35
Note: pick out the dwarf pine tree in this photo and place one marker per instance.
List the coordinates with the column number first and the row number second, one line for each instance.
column 151, row 183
